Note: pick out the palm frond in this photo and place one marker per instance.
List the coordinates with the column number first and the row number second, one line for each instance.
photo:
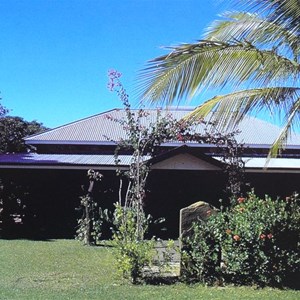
column 256, row 49
column 284, row 12
column 280, row 142
column 236, row 26
column 227, row 111
column 256, row 29
column 190, row 68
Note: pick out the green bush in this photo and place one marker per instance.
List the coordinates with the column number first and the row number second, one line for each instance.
column 132, row 253
column 256, row 241
column 89, row 227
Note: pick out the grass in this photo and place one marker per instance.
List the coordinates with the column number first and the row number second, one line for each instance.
column 64, row 269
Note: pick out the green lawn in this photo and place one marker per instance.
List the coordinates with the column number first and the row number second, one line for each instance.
column 64, row 269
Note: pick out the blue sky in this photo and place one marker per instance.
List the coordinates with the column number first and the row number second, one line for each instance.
column 55, row 54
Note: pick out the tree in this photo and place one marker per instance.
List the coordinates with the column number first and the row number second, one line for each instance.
column 3, row 111
column 255, row 54
column 12, row 132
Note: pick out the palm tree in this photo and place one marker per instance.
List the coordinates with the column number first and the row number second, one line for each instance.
column 255, row 53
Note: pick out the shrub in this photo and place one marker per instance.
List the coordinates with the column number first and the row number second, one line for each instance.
column 132, row 253
column 89, row 227
column 143, row 142
column 256, row 241
column 89, row 224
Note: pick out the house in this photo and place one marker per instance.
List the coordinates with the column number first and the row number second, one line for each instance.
column 49, row 182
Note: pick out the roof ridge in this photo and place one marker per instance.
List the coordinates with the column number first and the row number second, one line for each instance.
column 71, row 123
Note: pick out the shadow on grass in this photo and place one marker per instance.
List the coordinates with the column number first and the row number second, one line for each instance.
column 161, row 280
column 104, row 245
column 38, row 236
column 28, row 238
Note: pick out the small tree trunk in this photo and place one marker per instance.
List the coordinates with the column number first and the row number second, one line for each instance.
column 87, row 237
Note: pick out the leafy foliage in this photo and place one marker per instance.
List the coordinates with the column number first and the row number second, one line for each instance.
column 89, row 225
column 143, row 143
column 12, row 132
column 254, row 54
column 131, row 223
column 255, row 241
column 132, row 254
column 3, row 111
column 15, row 215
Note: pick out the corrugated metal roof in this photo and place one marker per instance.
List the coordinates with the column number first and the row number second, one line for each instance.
column 83, row 161
column 63, row 159
column 101, row 129
column 273, row 163
column 262, row 164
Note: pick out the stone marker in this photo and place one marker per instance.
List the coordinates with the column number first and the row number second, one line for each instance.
column 198, row 211
column 188, row 215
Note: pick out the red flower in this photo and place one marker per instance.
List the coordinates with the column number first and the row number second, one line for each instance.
column 262, row 236
column 236, row 237
column 241, row 200
column 179, row 137
column 270, row 235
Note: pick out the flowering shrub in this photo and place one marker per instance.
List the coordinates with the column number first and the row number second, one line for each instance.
column 143, row 141
column 133, row 252
column 255, row 241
